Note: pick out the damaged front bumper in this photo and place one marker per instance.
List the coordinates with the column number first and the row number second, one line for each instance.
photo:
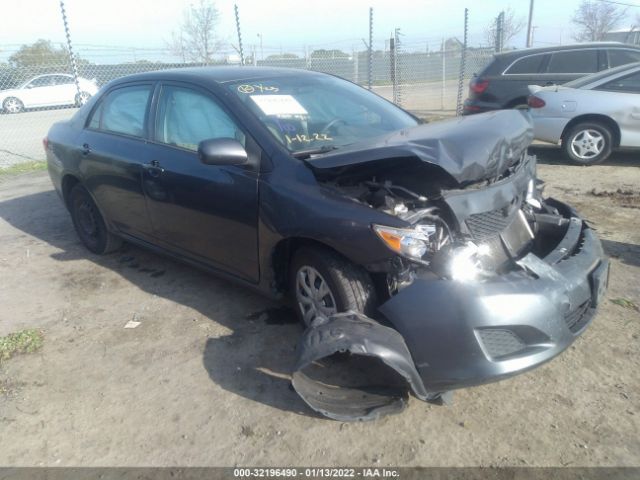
column 445, row 335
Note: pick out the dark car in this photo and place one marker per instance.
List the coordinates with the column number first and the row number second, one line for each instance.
column 433, row 241
column 504, row 82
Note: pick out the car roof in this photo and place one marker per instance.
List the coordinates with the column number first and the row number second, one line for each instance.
column 575, row 46
column 219, row 74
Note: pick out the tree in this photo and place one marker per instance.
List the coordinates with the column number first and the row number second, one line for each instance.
column 512, row 26
column 196, row 40
column 41, row 53
column 595, row 19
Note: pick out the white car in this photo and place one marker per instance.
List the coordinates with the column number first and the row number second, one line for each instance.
column 590, row 116
column 47, row 91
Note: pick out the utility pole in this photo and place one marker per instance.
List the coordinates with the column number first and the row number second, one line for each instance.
column 530, row 26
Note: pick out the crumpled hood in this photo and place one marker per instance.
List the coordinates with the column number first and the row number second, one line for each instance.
column 469, row 149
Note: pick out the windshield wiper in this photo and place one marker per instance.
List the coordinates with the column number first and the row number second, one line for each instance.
column 304, row 154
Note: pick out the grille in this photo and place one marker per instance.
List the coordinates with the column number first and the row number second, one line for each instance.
column 488, row 224
column 577, row 318
column 498, row 342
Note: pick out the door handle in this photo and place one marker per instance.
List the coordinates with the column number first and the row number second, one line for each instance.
column 153, row 168
column 86, row 149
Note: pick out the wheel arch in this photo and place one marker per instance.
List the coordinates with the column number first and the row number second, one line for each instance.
column 68, row 182
column 594, row 118
column 282, row 254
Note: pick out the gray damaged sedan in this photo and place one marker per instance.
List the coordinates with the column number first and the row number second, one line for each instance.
column 590, row 116
column 420, row 258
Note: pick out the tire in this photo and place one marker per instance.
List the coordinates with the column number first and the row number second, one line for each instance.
column 89, row 224
column 12, row 105
column 82, row 98
column 588, row 143
column 349, row 287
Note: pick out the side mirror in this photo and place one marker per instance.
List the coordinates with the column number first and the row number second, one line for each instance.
column 222, row 151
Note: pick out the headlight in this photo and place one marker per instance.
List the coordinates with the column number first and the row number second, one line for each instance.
column 465, row 264
column 415, row 243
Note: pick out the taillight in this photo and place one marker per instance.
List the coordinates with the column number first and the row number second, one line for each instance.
column 478, row 85
column 535, row 102
column 45, row 143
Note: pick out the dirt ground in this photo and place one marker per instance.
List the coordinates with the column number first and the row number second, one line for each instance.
column 204, row 381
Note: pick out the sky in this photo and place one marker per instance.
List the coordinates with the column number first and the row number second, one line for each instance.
column 112, row 29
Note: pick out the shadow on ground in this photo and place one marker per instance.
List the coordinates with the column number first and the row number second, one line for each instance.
column 254, row 361
column 628, row 253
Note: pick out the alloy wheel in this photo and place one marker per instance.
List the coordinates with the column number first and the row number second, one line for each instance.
column 587, row 144
column 13, row 105
column 313, row 295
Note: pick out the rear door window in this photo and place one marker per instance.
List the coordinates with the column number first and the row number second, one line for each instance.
column 526, row 65
column 619, row 57
column 123, row 111
column 574, row 61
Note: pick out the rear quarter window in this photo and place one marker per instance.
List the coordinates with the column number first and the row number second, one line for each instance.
column 525, row 65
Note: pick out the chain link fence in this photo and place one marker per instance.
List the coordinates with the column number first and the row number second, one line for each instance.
column 36, row 92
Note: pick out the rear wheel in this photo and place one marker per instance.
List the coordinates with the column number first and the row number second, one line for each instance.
column 12, row 105
column 89, row 224
column 588, row 143
column 323, row 283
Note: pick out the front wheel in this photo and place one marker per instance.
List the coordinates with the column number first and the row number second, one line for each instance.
column 13, row 105
column 89, row 224
column 323, row 283
column 588, row 143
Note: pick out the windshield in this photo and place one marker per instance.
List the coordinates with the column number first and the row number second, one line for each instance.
column 582, row 81
column 309, row 113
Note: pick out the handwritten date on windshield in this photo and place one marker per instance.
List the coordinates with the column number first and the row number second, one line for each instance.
column 312, row 137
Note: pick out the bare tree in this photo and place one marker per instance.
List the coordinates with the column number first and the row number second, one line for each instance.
column 595, row 19
column 196, row 39
column 513, row 25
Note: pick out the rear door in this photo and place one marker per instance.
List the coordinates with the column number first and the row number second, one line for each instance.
column 113, row 148
column 206, row 212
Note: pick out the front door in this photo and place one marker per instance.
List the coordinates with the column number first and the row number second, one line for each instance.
column 206, row 212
